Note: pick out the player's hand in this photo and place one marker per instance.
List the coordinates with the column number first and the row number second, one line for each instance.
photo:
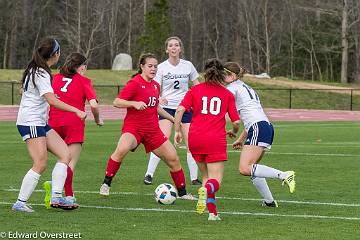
column 238, row 144
column 140, row 105
column 163, row 101
column 177, row 139
column 82, row 115
column 231, row 134
column 100, row 122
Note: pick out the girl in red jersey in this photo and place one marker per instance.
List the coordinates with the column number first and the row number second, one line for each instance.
column 140, row 97
column 71, row 87
column 209, row 101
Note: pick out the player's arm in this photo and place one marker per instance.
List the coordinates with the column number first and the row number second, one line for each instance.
column 94, row 106
column 56, row 103
column 165, row 114
column 196, row 81
column 178, row 116
column 122, row 103
column 240, row 141
column 235, row 128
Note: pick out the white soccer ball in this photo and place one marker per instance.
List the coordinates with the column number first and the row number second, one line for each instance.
column 165, row 193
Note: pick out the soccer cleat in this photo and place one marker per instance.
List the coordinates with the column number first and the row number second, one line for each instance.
column 63, row 203
column 148, row 180
column 201, row 204
column 72, row 200
column 47, row 188
column 104, row 190
column 213, row 217
column 196, row 182
column 22, row 207
column 273, row 204
column 188, row 196
column 290, row 181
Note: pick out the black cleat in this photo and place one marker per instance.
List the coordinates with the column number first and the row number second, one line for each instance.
column 196, row 182
column 148, row 180
column 271, row 204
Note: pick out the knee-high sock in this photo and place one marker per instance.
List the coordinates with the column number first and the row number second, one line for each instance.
column 152, row 165
column 263, row 188
column 28, row 185
column 111, row 170
column 262, row 171
column 58, row 179
column 68, row 183
column 193, row 168
column 212, row 186
column 179, row 181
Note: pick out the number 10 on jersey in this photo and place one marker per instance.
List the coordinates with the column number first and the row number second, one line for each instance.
column 213, row 107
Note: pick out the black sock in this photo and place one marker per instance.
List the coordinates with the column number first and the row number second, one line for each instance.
column 181, row 191
column 107, row 180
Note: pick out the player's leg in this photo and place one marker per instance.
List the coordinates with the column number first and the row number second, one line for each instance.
column 193, row 168
column 212, row 185
column 165, row 126
column 202, row 193
column 126, row 143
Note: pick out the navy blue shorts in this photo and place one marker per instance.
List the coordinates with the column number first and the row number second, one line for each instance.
column 27, row 132
column 185, row 119
column 260, row 134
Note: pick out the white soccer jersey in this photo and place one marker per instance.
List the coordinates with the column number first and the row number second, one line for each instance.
column 247, row 103
column 33, row 109
column 174, row 80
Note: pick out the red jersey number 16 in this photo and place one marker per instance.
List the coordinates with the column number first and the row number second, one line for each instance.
column 152, row 102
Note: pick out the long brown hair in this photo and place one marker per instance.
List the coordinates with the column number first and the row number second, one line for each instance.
column 234, row 67
column 142, row 61
column 46, row 49
column 180, row 43
column 214, row 72
column 72, row 63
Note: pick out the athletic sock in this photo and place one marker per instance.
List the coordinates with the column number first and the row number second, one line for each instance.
column 111, row 170
column 179, row 181
column 152, row 165
column 263, row 188
column 68, row 183
column 28, row 185
column 212, row 186
column 193, row 168
column 262, row 171
column 58, row 179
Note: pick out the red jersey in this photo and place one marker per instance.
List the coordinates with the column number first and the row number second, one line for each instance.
column 73, row 91
column 209, row 103
column 138, row 89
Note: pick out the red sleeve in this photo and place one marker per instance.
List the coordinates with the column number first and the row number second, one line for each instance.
column 233, row 114
column 187, row 102
column 129, row 91
column 89, row 89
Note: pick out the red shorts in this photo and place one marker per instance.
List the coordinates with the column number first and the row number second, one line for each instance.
column 209, row 158
column 71, row 133
column 151, row 139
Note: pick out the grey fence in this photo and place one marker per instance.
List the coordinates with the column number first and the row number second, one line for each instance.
column 327, row 99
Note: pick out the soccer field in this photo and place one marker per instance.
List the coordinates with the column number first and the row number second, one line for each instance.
column 326, row 205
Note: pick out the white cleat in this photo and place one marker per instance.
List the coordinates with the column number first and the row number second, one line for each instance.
column 188, row 196
column 213, row 217
column 22, row 207
column 104, row 190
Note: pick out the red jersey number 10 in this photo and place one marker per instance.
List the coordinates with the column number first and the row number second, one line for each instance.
column 213, row 107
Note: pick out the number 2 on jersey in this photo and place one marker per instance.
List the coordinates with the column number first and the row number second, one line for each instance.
column 68, row 81
column 176, row 84
column 214, row 106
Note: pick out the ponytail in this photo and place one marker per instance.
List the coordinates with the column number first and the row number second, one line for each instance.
column 214, row 72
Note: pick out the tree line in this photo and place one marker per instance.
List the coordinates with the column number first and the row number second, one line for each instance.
column 300, row 39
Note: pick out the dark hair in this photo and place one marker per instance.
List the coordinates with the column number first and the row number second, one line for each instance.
column 72, row 63
column 46, row 49
column 214, row 72
column 177, row 39
column 234, row 67
column 142, row 61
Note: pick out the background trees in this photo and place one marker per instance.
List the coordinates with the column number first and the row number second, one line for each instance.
column 307, row 39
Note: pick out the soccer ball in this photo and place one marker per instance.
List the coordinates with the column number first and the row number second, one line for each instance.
column 165, row 194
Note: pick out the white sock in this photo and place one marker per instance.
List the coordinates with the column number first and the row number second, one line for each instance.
column 59, row 174
column 28, row 185
column 262, row 187
column 152, row 165
column 263, row 171
column 193, row 168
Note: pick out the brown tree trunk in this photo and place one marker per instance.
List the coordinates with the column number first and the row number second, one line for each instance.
column 344, row 43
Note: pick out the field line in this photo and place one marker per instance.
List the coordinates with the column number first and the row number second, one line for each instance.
column 222, row 212
column 219, row 197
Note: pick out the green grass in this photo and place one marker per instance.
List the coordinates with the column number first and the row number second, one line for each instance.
column 108, row 83
column 325, row 157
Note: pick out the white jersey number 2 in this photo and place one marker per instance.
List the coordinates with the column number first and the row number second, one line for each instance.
column 213, row 107
column 68, row 81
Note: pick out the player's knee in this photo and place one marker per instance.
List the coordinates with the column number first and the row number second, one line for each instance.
column 40, row 167
column 244, row 170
